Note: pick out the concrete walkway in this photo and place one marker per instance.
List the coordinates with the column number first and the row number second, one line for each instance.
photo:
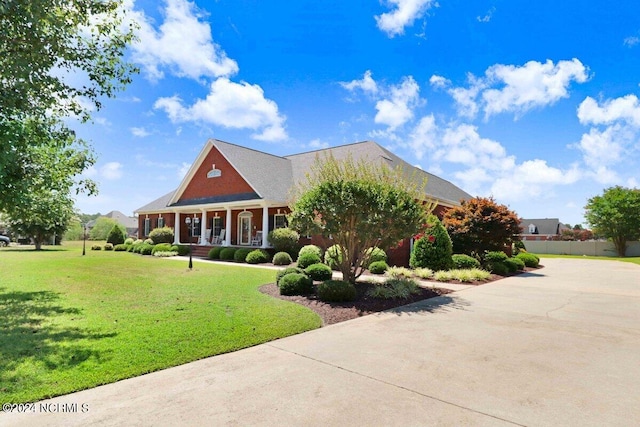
column 559, row 346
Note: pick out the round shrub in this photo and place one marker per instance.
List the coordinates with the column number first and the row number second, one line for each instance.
column 375, row 255
column 161, row 247
column 333, row 257
column 108, row 247
column 518, row 262
column 495, row 256
column 499, row 268
column 434, row 249
column 181, row 249
column 295, row 284
column 96, row 247
column 378, row 267
column 282, row 258
column 284, row 240
column 128, row 241
column 307, row 259
column 319, row 271
column 464, row 262
column 512, row 265
column 138, row 241
column 258, row 256
column 227, row 254
column 336, row 291
column 121, row 248
column 530, row 260
column 146, row 249
column 161, row 235
column 214, row 253
column 149, row 241
column 130, row 248
column 281, row 273
column 116, row 235
column 313, row 249
column 241, row 255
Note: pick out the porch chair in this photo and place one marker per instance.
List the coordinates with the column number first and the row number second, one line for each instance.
column 257, row 239
column 218, row 240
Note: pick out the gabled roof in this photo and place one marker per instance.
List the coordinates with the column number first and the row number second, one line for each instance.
column 544, row 226
column 127, row 221
column 158, row 205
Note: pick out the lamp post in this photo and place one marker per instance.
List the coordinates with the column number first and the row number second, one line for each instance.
column 84, row 239
column 191, row 224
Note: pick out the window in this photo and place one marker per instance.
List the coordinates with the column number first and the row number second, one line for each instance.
column 533, row 229
column 147, row 226
column 279, row 221
column 217, row 225
column 160, row 222
column 244, row 228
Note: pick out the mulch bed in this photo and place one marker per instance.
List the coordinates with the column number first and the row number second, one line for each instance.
column 363, row 305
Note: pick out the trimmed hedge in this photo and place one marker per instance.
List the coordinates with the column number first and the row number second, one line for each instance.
column 319, row 271
column 281, row 273
column 375, row 255
column 161, row 247
column 512, row 266
column 307, row 259
column 227, row 254
column 529, row 259
column 128, row 241
column 181, row 249
column 121, row 248
column 146, row 249
column 295, row 284
column 214, row 253
column 96, row 247
column 282, row 258
column 161, row 235
column 241, row 254
column 518, row 262
column 378, row 267
column 284, row 240
column 336, row 291
column 313, row 249
column 108, row 247
column 462, row 261
column 258, row 256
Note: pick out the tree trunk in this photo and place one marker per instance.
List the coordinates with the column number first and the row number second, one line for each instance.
column 621, row 246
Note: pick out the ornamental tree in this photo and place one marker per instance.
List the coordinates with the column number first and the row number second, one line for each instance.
column 614, row 215
column 433, row 249
column 479, row 225
column 360, row 205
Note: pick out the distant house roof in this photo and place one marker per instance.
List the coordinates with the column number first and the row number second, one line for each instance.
column 127, row 221
column 544, row 226
column 272, row 177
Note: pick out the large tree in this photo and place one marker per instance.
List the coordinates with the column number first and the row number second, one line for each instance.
column 360, row 205
column 58, row 58
column 615, row 215
column 480, row 224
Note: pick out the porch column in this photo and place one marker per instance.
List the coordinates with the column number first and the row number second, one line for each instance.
column 203, row 228
column 227, row 236
column 265, row 225
column 176, row 229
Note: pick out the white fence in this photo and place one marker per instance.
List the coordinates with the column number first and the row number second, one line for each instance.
column 593, row 248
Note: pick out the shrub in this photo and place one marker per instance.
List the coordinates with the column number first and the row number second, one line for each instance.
column 399, row 272
column 181, row 249
column 121, row 248
column 128, row 241
column 295, row 284
column 423, row 273
column 318, row 271
column 258, row 256
column 161, row 247
column 136, row 247
column 529, row 259
column 116, row 236
column 241, row 254
column 227, row 254
column 463, row 275
column 284, row 240
column 282, row 258
column 495, row 256
column 336, row 291
column 165, row 253
column 499, row 268
column 400, row 288
column 464, row 261
column 161, row 235
column 518, row 262
column 313, row 249
column 434, row 249
column 146, row 249
column 149, row 242
column 138, row 241
column 108, row 247
column 130, row 248
column 375, row 255
column 495, row 262
column 214, row 253
column 378, row 267
column 333, row 257
column 96, row 247
column 307, row 259
column 512, row 267
column 281, row 273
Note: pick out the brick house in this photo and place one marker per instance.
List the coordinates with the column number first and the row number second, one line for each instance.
column 240, row 194
column 542, row 229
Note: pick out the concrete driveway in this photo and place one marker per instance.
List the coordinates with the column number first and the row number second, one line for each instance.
column 560, row 346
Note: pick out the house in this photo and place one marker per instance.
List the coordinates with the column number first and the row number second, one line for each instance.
column 542, row 229
column 233, row 195
column 130, row 223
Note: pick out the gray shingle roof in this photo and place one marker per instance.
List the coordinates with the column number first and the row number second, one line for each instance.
column 272, row 177
column 544, row 226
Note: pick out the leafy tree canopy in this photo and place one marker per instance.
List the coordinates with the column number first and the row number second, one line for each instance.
column 102, row 227
column 480, row 224
column 360, row 205
column 614, row 215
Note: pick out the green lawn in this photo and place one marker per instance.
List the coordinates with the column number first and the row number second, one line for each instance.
column 69, row 322
column 634, row 260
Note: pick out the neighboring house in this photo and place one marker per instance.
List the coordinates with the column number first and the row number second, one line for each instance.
column 240, row 194
column 130, row 223
column 542, row 229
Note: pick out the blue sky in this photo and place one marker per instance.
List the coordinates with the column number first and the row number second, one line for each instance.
column 534, row 103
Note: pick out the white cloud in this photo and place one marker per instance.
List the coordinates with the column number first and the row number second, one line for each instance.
column 182, row 171
column 140, row 132
column 487, row 16
column 439, row 81
column 398, row 108
column 111, row 171
column 231, row 105
column 631, row 41
column 182, row 44
column 625, row 109
column 424, row 136
column 318, row 144
column 403, row 14
column 517, row 89
column 366, row 84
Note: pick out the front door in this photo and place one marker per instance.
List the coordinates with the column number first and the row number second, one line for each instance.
column 244, row 229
